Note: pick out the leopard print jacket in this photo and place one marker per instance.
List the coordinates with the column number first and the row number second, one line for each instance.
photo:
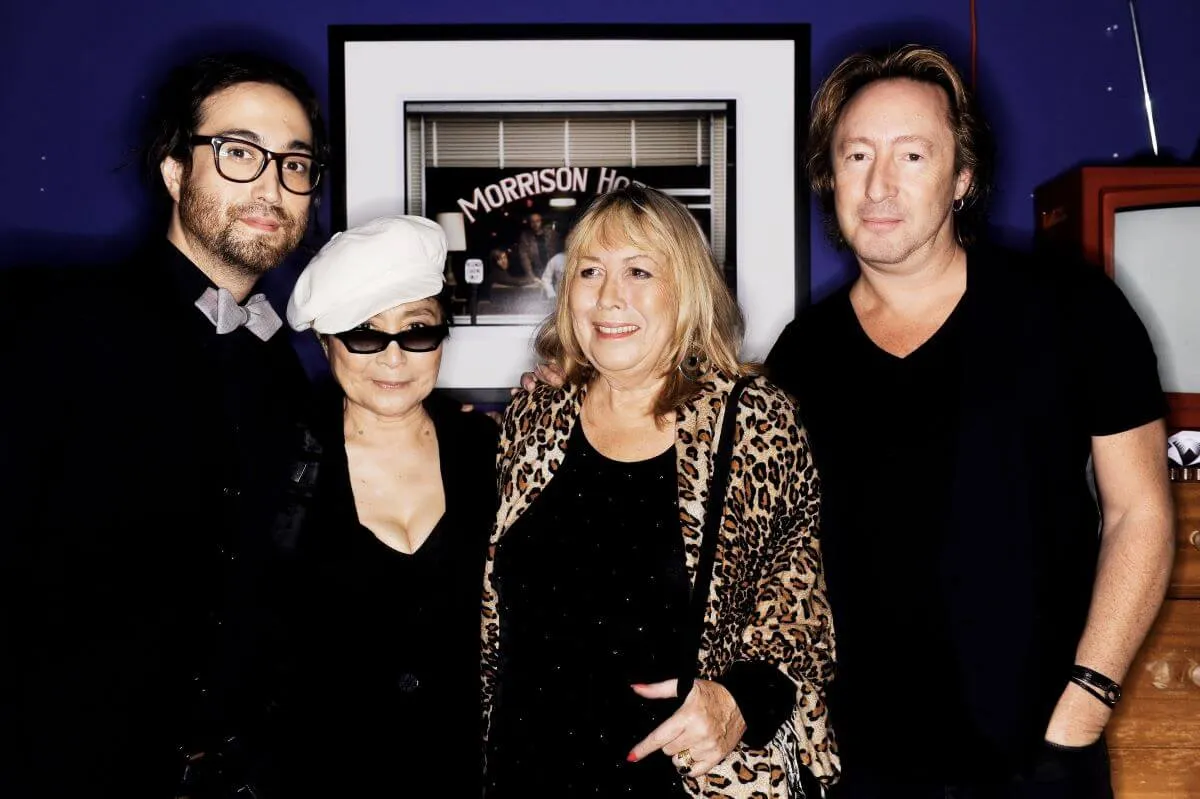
column 767, row 599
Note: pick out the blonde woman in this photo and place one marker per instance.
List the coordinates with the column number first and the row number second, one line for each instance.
column 590, row 634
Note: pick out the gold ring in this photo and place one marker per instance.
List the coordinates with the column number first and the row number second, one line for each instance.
column 686, row 761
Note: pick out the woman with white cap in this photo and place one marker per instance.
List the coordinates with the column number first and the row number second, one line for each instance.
column 385, row 585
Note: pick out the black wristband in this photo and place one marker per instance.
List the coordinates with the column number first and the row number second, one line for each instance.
column 1106, row 689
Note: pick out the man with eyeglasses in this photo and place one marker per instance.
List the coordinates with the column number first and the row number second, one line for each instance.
column 147, row 466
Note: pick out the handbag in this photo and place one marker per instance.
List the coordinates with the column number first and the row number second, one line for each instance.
column 714, row 508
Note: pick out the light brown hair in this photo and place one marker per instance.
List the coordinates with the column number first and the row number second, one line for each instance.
column 972, row 139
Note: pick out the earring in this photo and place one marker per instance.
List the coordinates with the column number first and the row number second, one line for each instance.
column 958, row 204
column 694, row 366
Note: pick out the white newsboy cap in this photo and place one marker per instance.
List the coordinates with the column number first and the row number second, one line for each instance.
column 366, row 270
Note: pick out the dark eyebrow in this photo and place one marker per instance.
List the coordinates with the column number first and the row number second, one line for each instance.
column 295, row 145
column 242, row 133
column 429, row 309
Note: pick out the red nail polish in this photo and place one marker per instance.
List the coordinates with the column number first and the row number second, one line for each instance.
column 631, row 758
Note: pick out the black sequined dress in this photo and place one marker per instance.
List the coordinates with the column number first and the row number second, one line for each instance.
column 593, row 591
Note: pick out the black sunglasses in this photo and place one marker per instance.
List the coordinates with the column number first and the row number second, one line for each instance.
column 367, row 341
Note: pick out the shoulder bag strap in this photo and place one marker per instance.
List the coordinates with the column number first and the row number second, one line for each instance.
column 714, row 509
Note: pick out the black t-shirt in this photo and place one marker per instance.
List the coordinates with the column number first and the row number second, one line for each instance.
column 958, row 529
column 883, row 581
column 593, row 595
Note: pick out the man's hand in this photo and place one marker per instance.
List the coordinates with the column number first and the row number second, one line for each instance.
column 1137, row 544
column 1078, row 718
column 548, row 373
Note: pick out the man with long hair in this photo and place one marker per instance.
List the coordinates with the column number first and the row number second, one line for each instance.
column 985, row 607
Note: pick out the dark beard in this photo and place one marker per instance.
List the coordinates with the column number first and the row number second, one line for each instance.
column 203, row 219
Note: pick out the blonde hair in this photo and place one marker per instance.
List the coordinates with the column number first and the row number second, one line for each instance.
column 708, row 323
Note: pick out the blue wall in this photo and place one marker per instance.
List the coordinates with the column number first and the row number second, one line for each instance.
column 1058, row 78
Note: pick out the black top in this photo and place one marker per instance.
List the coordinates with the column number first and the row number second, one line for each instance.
column 139, row 481
column 594, row 594
column 901, row 414
column 959, row 533
column 384, row 680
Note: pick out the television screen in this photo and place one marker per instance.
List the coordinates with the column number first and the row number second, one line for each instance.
column 1156, row 262
column 1141, row 224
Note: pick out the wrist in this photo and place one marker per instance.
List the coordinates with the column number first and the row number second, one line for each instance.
column 1078, row 719
column 1100, row 686
column 763, row 696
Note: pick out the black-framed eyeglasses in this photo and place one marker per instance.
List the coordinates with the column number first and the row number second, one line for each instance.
column 241, row 161
column 367, row 341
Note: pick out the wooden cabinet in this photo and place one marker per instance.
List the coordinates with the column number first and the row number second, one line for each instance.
column 1155, row 735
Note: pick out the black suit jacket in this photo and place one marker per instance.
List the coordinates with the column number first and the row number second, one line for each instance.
column 142, row 459
column 381, row 674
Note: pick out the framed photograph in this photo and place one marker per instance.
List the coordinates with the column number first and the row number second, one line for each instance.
column 503, row 134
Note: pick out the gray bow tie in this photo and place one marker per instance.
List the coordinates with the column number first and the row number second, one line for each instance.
column 223, row 310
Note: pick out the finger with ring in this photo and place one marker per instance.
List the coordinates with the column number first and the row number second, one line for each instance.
column 686, row 761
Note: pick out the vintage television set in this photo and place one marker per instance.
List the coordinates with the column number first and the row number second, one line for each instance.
column 1141, row 224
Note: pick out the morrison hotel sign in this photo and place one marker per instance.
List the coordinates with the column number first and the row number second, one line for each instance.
column 524, row 185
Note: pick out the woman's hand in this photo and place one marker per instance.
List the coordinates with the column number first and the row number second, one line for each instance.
column 706, row 727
